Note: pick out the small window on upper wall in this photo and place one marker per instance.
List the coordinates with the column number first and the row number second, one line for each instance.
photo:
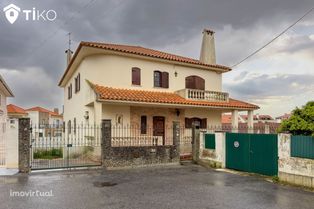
column 70, row 91
column 136, row 76
column 77, row 83
column 161, row 79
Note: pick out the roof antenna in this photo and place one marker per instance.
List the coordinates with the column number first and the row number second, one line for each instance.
column 69, row 52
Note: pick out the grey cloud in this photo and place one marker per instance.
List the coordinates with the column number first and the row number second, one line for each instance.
column 271, row 86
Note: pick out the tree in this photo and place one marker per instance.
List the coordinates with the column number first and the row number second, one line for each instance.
column 301, row 121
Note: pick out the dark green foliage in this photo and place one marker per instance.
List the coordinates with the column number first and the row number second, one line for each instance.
column 301, row 121
column 48, row 154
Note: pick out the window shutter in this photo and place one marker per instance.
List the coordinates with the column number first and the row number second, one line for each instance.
column 165, row 80
column 199, row 83
column 204, row 123
column 143, row 124
column 136, row 76
column 189, row 82
column 188, row 123
column 79, row 82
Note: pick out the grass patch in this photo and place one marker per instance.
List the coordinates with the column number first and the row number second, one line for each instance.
column 48, row 154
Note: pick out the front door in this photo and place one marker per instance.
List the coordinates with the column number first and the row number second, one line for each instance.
column 159, row 127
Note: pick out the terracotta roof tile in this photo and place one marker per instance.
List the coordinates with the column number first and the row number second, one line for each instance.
column 40, row 109
column 138, row 50
column 115, row 94
column 13, row 109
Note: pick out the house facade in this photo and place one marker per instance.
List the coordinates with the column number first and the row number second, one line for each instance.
column 5, row 92
column 132, row 85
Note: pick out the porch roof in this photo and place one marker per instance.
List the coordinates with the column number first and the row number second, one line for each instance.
column 157, row 97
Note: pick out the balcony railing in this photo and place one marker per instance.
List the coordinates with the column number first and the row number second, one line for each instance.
column 202, row 95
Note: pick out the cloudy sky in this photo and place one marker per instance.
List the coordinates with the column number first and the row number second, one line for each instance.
column 280, row 77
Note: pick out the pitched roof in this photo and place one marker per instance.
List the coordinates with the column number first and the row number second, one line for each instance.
column 40, row 109
column 115, row 94
column 13, row 109
column 138, row 50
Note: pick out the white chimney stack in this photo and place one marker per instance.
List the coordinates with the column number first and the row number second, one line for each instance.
column 208, row 54
column 69, row 56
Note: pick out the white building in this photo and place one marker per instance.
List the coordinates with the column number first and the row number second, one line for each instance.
column 5, row 92
column 147, row 88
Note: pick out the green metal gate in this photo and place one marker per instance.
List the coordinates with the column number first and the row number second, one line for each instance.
column 256, row 153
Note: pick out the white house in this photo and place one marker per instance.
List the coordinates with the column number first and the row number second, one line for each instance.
column 147, row 88
column 5, row 92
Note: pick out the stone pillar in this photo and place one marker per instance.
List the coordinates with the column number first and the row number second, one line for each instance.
column 24, row 145
column 195, row 142
column 235, row 121
column 250, row 121
column 176, row 134
column 105, row 141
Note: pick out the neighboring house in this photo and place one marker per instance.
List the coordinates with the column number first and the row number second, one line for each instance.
column 283, row 117
column 142, row 87
column 227, row 118
column 45, row 123
column 16, row 112
column 42, row 116
column 5, row 92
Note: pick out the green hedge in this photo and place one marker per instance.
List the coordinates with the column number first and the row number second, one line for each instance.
column 48, row 154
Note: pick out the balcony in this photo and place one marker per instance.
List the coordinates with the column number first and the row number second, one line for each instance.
column 202, row 95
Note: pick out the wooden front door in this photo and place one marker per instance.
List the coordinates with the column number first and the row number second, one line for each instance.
column 159, row 127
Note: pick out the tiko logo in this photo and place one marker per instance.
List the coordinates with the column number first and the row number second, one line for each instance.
column 12, row 13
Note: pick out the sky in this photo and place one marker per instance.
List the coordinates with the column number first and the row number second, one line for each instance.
column 279, row 78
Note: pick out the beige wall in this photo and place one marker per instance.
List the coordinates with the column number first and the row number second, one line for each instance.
column 115, row 71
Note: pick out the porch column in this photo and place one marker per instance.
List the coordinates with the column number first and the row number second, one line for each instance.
column 98, row 112
column 250, row 123
column 235, row 121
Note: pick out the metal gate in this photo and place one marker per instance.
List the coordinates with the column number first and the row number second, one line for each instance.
column 256, row 153
column 56, row 146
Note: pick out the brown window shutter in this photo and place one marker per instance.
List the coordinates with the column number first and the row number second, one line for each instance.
column 204, row 123
column 189, row 82
column 165, row 80
column 143, row 124
column 79, row 82
column 199, row 83
column 188, row 123
column 136, row 76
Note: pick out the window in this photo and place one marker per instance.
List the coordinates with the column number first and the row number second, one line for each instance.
column 70, row 91
column 69, row 126
column 194, row 82
column 77, row 83
column 74, row 125
column 136, row 76
column 201, row 122
column 161, row 79
column 143, row 124
column 157, row 79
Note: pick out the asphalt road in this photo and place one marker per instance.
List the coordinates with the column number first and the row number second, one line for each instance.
column 188, row 186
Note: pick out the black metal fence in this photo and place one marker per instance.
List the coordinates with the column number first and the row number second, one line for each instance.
column 56, row 146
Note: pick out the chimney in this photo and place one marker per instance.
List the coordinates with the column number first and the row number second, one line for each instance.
column 69, row 56
column 208, row 54
column 56, row 110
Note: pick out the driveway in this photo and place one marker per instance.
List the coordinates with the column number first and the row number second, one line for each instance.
column 188, row 186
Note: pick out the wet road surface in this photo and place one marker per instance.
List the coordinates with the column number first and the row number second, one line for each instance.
column 188, row 186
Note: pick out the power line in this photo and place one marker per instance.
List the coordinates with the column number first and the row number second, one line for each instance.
column 272, row 40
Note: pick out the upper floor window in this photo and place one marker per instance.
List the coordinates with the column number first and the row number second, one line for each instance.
column 77, row 83
column 136, row 76
column 161, row 79
column 194, row 82
column 70, row 91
